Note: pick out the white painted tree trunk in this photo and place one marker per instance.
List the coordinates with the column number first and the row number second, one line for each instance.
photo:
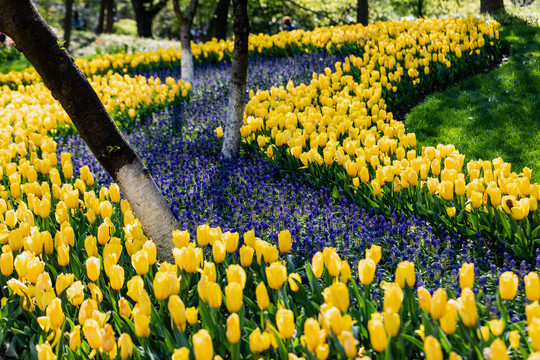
column 187, row 64
column 234, row 120
column 150, row 206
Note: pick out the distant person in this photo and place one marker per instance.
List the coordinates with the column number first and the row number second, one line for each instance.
column 287, row 24
column 77, row 23
column 2, row 39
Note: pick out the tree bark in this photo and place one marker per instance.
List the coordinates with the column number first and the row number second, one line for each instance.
column 101, row 18
column 237, row 92
column 109, row 28
column 35, row 39
column 420, row 12
column 362, row 12
column 145, row 11
column 67, row 23
column 185, row 38
column 491, row 6
column 218, row 25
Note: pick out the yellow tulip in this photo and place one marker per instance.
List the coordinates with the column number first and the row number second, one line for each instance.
column 366, row 271
column 233, row 328
column 294, row 281
column 75, row 293
column 141, row 323
column 180, row 354
column 284, row 240
column 424, row 299
column 432, row 348
column 446, row 190
column 177, row 309
column 348, row 342
column 514, row 339
column 6, row 262
column 246, row 255
column 262, row 296
column 203, row 232
column 45, row 352
column 317, row 264
column 405, row 274
column 499, row 350
column 125, row 345
column 63, row 255
column 92, row 268
column 218, row 252
column 323, row 350
column 285, row 323
column 192, row 315
column 508, row 284
column 448, row 320
column 466, row 306
column 333, row 264
column 124, row 309
column 235, row 273
column 466, row 275
column 114, row 193
column 233, row 295
column 377, row 334
column 231, row 241
column 92, row 332
column 374, row 253
column 312, row 333
column 75, row 338
column 276, row 275
column 438, row 303
column 391, row 322
column 532, row 286
column 135, row 288
column 202, row 345
column 139, row 261
column 214, row 296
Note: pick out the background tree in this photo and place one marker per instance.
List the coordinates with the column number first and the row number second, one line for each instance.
column 491, row 6
column 237, row 91
column 67, row 23
column 218, row 24
column 145, row 11
column 362, row 12
column 35, row 39
column 185, row 37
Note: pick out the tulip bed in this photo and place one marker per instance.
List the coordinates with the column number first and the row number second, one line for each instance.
column 79, row 279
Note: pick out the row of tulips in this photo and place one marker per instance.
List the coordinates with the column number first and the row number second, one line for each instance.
column 339, row 127
column 340, row 39
column 225, row 298
column 32, row 111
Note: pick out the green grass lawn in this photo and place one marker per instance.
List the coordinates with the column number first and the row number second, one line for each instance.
column 493, row 114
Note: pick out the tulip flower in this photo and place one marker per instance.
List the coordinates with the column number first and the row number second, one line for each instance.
column 466, row 306
column 218, row 252
column 508, row 284
column 448, row 320
column 438, row 303
column 374, row 253
column 93, row 334
column 180, row 354
column 235, row 273
column 366, row 271
column 246, row 255
column 393, row 297
column 139, row 261
column 377, row 334
column 75, row 338
column 284, row 241
column 262, row 296
column 514, row 339
column 6, row 262
column 391, row 322
column 532, row 286
column 214, row 296
column 348, row 342
column 424, row 299
column 466, row 275
column 233, row 296
column 405, row 274
column 177, row 309
column 202, row 345
column 294, row 281
column 312, row 333
column 317, row 264
column 125, row 345
column 432, row 348
column 233, row 328
column 75, row 293
column 285, row 323
column 276, row 275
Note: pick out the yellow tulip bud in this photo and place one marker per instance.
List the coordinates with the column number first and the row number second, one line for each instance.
column 466, row 306
column 391, row 322
column 124, row 309
column 103, row 233
column 93, row 268
column 233, row 295
column 349, row 343
column 312, row 331
column 202, row 345
column 424, row 298
column 203, row 232
column 532, row 286
column 377, row 334
column 151, row 251
column 323, row 350
column 180, row 238
column 405, row 274
column 235, row 273
column 63, row 255
column 218, row 252
column 432, row 348
column 231, row 241
column 181, row 354
column 246, row 255
column 114, row 193
column 514, row 339
column 116, row 275
column 214, row 296
column 75, row 338
column 448, row 320
column 466, row 275
column 233, row 328
column 6, row 262
column 92, row 332
column 125, row 345
column 192, row 315
column 508, row 284
column 284, row 240
column 142, row 322
column 294, row 281
column 366, row 270
column 333, row 264
column 135, row 288
column 139, row 261
column 438, row 303
column 262, row 296
column 317, row 264
column 177, row 309
column 285, row 323
column 499, row 350
column 276, row 275
column 393, row 297
column 374, row 253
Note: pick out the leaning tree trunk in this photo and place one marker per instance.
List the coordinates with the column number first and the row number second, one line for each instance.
column 237, row 92
column 101, row 18
column 185, row 38
column 35, row 39
column 362, row 12
column 67, row 23
column 491, row 6
column 218, row 25
column 109, row 28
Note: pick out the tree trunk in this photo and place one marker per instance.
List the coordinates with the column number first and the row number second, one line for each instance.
column 67, row 23
column 185, row 38
column 491, row 6
column 237, row 92
column 218, row 25
column 187, row 55
column 35, row 39
column 145, row 11
column 101, row 18
column 110, row 17
column 362, row 12
column 419, row 11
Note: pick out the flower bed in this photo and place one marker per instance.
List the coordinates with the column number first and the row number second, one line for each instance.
column 118, row 296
